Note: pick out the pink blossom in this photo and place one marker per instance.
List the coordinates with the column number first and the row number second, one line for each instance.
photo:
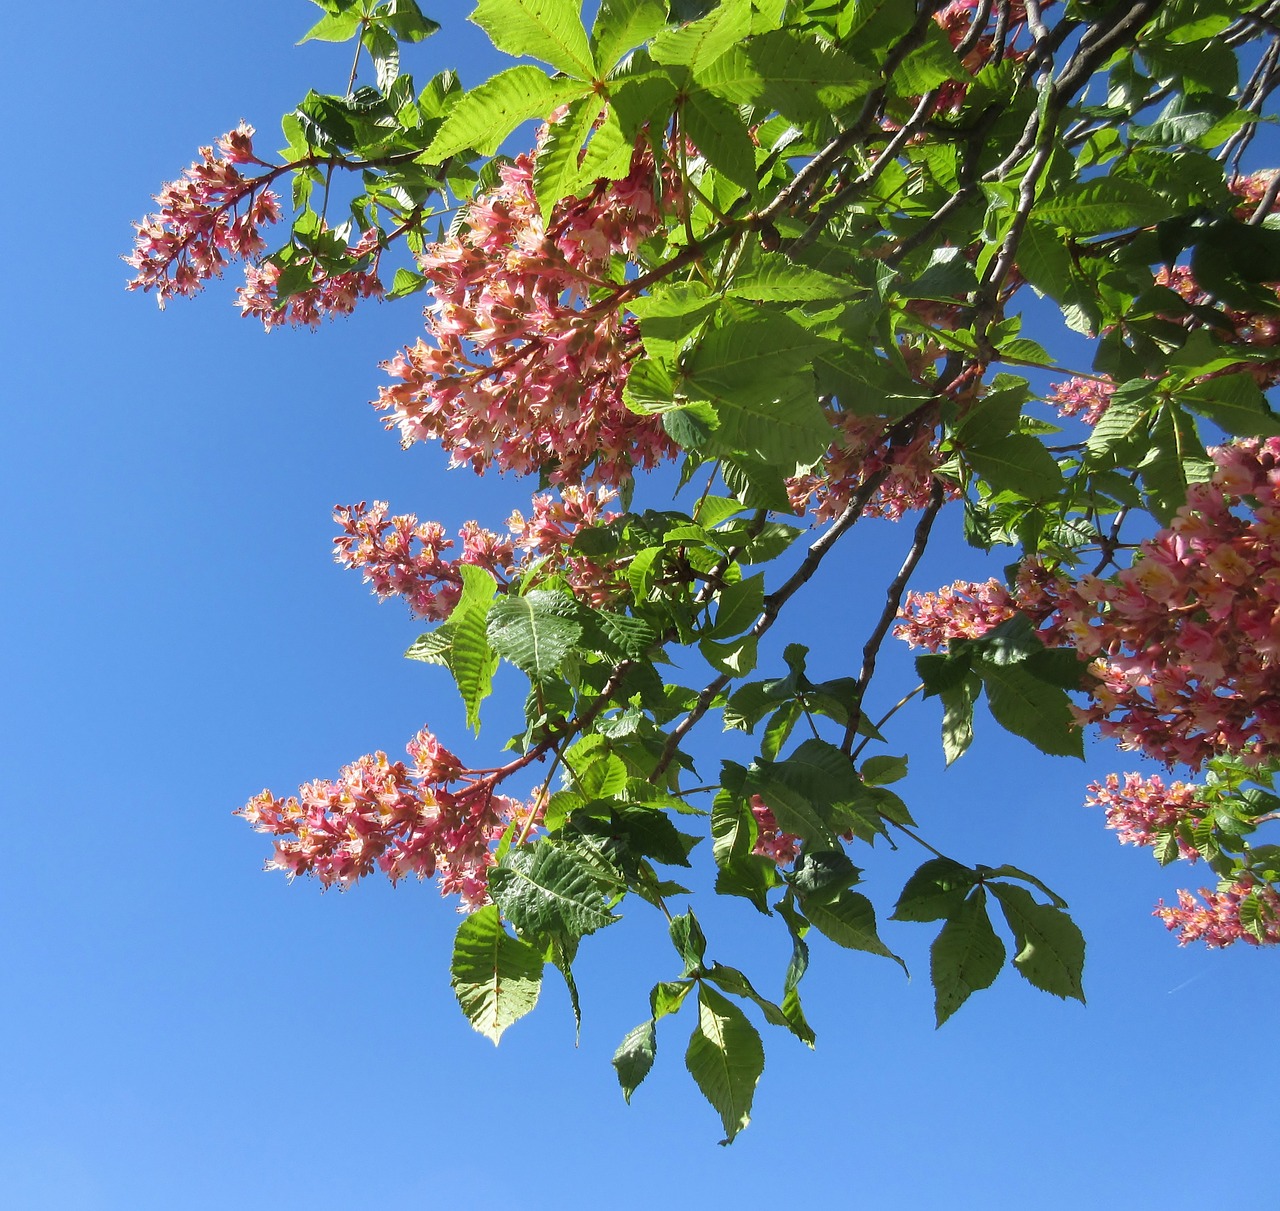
column 1083, row 397
column 963, row 610
column 402, row 557
column 523, row 371
column 434, row 819
column 860, row 450
column 1141, row 810
column 1215, row 918
column 771, row 841
column 329, row 294
column 210, row 214
column 1186, row 641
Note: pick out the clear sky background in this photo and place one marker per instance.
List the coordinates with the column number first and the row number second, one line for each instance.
column 180, row 1030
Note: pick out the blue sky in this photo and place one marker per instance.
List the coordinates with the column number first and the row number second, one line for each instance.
column 180, row 1030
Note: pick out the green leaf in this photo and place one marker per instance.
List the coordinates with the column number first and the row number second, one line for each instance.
column 1100, row 205
column 823, row 874
column 772, row 277
column 485, row 116
column 965, row 957
column 690, row 943
column 556, row 173
column 753, row 371
column 406, row 282
column 1017, row 463
column 535, row 632
column 550, row 30
column 929, row 65
column 1044, row 261
column 883, row 770
column 738, row 606
column 1050, row 944
column 936, row 891
column 433, row 647
column 957, row 716
column 334, row 27
column 719, row 133
column 471, row 659
column 725, row 1058
column 634, row 1057
column 1235, row 402
column 1028, row 707
column 546, row 889
column 495, row 977
column 850, row 921
column 797, row 926
column 733, row 834
column 801, row 77
column 700, row 43
column 406, row 18
column 622, row 25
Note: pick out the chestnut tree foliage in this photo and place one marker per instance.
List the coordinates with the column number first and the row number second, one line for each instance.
column 786, row 247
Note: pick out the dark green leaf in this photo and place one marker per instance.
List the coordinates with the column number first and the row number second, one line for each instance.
column 965, row 957
column 1050, row 945
column 936, row 891
column 850, row 921
column 1032, row 709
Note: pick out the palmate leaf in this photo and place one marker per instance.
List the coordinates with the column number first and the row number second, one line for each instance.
column 725, row 1057
column 550, row 30
column 486, row 115
column 495, row 977
column 535, row 632
column 545, row 889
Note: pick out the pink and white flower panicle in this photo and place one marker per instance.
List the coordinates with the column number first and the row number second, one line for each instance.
column 523, row 372
column 402, row 557
column 429, row 818
column 210, row 215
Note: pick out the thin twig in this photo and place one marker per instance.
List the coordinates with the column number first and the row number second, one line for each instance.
column 893, row 602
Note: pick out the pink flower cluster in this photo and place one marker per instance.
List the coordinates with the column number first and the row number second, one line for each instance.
column 402, row 557
column 1254, row 330
column 771, row 842
column 1086, row 398
column 963, row 610
column 212, row 212
column 1186, row 641
column 1251, row 190
column 1215, row 918
column 859, row 452
column 384, row 815
column 1141, row 810
column 330, row 293
column 523, row 371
